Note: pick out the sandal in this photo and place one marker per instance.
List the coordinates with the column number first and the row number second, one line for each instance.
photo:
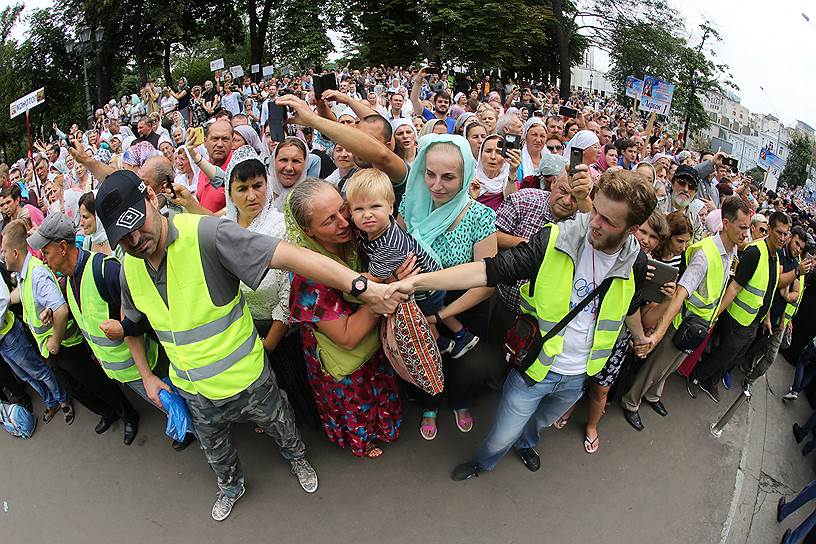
column 68, row 413
column 561, row 422
column 591, row 446
column 428, row 430
column 49, row 413
column 259, row 430
column 373, row 452
column 464, row 420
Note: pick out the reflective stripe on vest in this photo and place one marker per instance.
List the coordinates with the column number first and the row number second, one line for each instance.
column 697, row 303
column 113, row 355
column 8, row 322
column 792, row 307
column 32, row 311
column 551, row 302
column 214, row 351
column 749, row 300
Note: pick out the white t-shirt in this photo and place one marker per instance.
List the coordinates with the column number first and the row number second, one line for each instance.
column 580, row 332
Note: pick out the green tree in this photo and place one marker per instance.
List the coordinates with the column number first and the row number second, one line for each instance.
column 757, row 175
column 299, row 36
column 799, row 159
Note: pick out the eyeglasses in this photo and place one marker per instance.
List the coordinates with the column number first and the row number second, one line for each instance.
column 683, row 182
column 555, row 148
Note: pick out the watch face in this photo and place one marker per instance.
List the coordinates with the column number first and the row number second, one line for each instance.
column 359, row 285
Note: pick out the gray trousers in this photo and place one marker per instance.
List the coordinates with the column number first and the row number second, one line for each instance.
column 760, row 364
column 653, row 373
column 266, row 406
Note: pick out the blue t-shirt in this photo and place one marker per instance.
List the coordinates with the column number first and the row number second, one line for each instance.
column 429, row 115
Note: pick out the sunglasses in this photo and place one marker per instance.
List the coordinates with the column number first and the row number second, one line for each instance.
column 683, row 182
column 555, row 148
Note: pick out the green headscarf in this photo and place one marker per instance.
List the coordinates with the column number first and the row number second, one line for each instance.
column 297, row 236
column 422, row 221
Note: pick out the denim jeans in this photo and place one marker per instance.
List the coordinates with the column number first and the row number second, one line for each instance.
column 805, row 369
column 524, row 411
column 25, row 361
column 806, row 495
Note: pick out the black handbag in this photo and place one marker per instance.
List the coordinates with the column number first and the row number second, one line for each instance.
column 523, row 341
column 693, row 330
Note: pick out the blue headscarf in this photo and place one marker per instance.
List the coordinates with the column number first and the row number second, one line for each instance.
column 422, row 220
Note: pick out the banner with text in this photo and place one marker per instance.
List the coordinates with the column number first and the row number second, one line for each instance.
column 656, row 95
column 22, row 105
column 770, row 162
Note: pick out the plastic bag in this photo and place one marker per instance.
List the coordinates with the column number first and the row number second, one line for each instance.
column 17, row 420
column 179, row 420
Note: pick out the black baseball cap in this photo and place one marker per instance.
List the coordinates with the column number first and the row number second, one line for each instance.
column 120, row 204
column 689, row 173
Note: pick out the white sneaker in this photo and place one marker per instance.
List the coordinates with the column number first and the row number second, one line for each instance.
column 223, row 505
column 306, row 475
column 791, row 395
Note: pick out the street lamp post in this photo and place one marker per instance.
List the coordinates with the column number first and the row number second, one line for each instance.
column 83, row 47
column 590, row 82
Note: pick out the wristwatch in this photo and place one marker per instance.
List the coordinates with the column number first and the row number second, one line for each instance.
column 359, row 285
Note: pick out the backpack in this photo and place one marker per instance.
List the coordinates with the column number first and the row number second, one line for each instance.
column 17, row 420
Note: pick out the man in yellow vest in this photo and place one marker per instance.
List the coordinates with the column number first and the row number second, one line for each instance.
column 745, row 308
column 182, row 273
column 699, row 291
column 564, row 262
column 58, row 337
column 787, row 293
column 93, row 294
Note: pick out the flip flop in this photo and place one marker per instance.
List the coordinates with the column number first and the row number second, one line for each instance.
column 373, row 452
column 464, row 420
column 591, row 446
column 561, row 422
column 68, row 413
column 428, row 430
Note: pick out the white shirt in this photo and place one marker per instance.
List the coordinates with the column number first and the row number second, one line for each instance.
column 580, row 332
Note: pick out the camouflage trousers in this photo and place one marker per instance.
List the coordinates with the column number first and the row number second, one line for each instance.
column 267, row 407
column 761, row 362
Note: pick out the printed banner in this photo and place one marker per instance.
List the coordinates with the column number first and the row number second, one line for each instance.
column 217, row 64
column 22, row 105
column 656, row 96
column 634, row 87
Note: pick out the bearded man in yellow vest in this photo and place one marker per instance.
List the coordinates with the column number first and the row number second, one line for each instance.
column 182, row 274
column 699, row 291
column 745, row 308
column 93, row 293
column 564, row 263
column 58, row 338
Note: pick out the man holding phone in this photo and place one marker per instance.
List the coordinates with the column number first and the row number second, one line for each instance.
column 699, row 292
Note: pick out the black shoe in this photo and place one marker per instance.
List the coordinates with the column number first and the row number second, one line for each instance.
column 131, row 428
column 658, row 407
column 530, row 458
column 181, row 445
column 691, row 383
column 104, row 424
column 779, row 506
column 798, row 433
column 465, row 471
column 634, row 419
column 711, row 390
column 786, row 536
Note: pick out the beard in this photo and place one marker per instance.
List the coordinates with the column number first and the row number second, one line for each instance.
column 681, row 202
column 609, row 242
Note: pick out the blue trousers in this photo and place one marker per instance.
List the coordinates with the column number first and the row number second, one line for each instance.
column 805, row 367
column 524, row 411
column 806, row 495
column 25, row 361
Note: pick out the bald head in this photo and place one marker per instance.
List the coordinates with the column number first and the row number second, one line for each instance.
column 156, row 171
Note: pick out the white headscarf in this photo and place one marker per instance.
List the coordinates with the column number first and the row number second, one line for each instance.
column 269, row 217
column 488, row 185
column 276, row 186
column 251, row 138
column 582, row 140
column 127, row 142
column 403, row 121
column 527, row 166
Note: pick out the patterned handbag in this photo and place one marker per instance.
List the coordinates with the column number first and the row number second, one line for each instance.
column 409, row 344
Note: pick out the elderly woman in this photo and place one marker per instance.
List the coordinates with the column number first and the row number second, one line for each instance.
column 186, row 170
column 496, row 173
column 434, row 126
column 287, row 168
column 418, row 122
column 249, row 203
column 405, row 140
column 344, row 161
column 591, row 146
column 245, row 135
column 362, row 407
column 534, row 136
column 488, row 116
column 607, row 158
column 475, row 133
column 437, row 210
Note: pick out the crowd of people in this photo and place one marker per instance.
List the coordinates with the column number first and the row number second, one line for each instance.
column 243, row 242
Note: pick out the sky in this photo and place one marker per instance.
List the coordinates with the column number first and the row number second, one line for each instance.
column 765, row 44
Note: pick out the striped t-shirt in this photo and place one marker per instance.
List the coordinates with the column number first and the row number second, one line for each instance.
column 387, row 252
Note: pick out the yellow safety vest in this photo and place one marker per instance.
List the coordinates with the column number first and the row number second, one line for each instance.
column 792, row 307
column 696, row 303
column 551, row 302
column 113, row 355
column 31, row 312
column 214, row 351
column 746, row 305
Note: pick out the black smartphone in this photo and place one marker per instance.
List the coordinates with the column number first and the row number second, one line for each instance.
column 324, row 82
column 576, row 158
column 731, row 163
column 277, row 122
column 510, row 141
column 564, row 111
column 168, row 188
